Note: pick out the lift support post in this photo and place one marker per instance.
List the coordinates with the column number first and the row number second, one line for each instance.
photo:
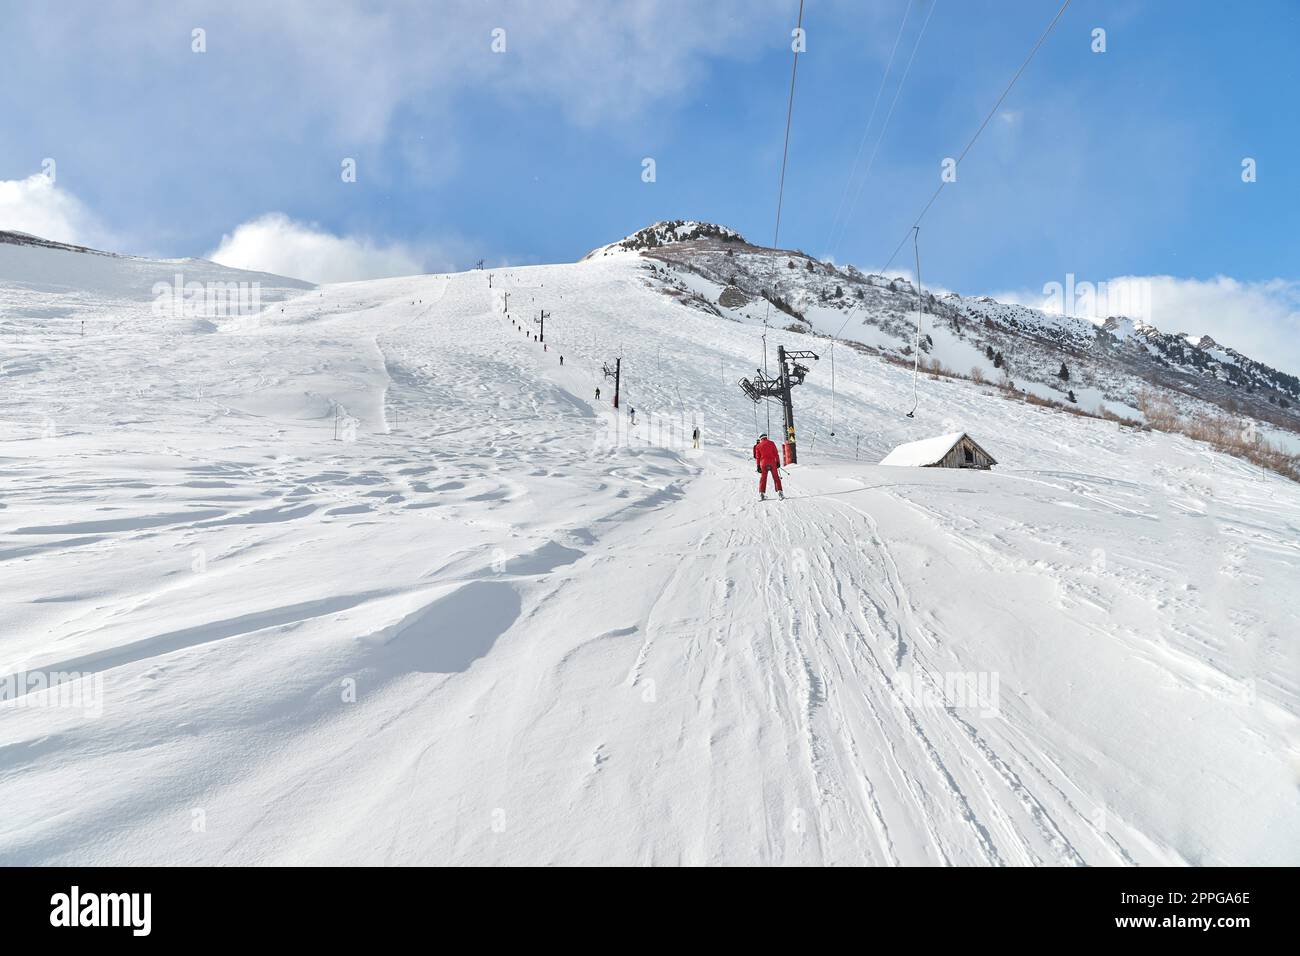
column 760, row 387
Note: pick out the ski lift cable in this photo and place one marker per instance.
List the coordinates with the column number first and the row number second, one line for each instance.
column 832, row 388
column 1041, row 40
column 780, row 198
column 785, row 152
column 870, row 119
column 780, row 193
column 880, row 138
column 916, row 358
column 871, row 161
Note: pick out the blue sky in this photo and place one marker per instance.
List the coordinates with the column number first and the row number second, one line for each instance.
column 1122, row 163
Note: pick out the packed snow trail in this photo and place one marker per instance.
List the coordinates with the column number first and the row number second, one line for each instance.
column 493, row 623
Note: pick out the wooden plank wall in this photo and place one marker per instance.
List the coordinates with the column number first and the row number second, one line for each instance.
column 956, row 458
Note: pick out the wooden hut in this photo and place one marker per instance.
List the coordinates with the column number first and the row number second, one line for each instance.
column 957, row 450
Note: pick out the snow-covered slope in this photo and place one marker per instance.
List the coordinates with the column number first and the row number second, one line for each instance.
column 373, row 579
column 52, row 287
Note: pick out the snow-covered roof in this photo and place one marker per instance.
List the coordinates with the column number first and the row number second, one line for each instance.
column 927, row 451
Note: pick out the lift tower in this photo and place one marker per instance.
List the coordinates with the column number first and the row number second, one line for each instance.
column 614, row 373
column 760, row 387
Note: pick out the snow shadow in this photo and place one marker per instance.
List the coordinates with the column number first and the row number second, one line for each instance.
column 451, row 633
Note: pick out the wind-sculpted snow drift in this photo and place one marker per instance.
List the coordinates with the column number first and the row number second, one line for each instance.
column 370, row 578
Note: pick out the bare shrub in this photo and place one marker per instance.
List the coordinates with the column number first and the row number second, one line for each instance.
column 1160, row 412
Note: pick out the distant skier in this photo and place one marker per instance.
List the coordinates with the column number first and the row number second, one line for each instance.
column 767, row 459
column 561, row 361
column 695, row 438
column 631, row 414
column 598, row 394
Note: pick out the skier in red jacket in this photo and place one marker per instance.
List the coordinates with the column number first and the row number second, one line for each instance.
column 768, row 460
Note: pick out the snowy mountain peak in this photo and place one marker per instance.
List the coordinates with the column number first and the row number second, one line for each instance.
column 1122, row 327
column 666, row 232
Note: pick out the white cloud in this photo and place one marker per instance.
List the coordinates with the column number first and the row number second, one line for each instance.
column 37, row 206
column 1260, row 319
column 355, row 64
column 275, row 243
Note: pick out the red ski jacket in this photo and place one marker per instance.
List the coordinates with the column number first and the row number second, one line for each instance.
column 765, row 453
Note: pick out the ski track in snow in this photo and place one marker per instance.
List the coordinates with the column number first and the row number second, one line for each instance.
column 494, row 624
